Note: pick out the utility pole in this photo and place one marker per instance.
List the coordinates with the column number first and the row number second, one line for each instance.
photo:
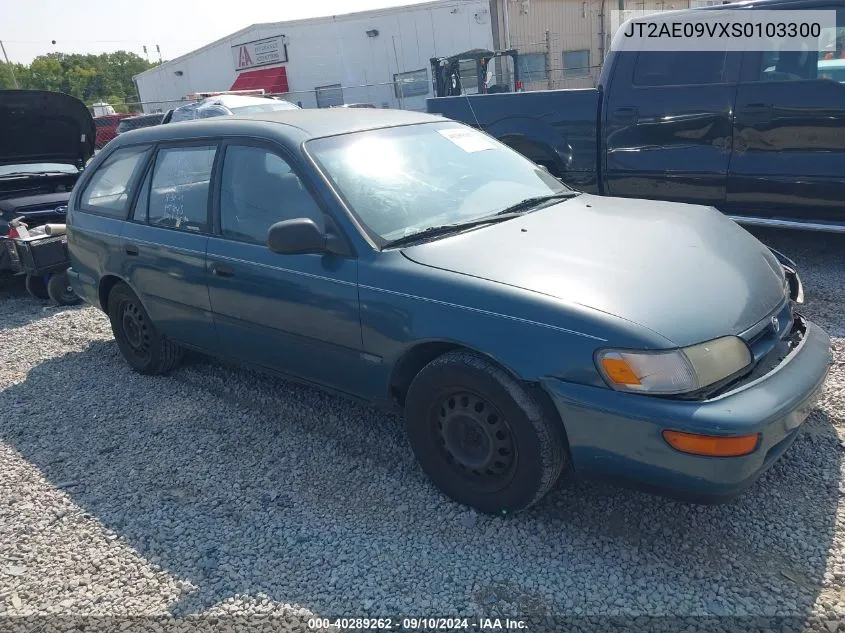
column 9, row 64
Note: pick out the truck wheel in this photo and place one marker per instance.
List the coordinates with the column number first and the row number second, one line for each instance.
column 480, row 435
column 60, row 291
column 36, row 287
column 145, row 350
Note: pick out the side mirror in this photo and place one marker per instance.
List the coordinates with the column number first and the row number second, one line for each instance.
column 296, row 237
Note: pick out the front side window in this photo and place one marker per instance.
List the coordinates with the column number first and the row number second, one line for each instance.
column 807, row 64
column 402, row 180
column 257, row 189
column 179, row 190
column 108, row 191
column 659, row 68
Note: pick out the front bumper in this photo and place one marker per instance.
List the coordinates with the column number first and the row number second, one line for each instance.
column 618, row 434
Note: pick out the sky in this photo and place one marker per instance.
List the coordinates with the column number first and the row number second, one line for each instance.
column 29, row 27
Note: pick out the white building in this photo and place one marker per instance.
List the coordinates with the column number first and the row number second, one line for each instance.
column 379, row 57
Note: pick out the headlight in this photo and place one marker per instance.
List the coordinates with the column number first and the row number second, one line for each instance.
column 676, row 371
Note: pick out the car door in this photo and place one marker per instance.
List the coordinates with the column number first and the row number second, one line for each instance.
column 296, row 314
column 789, row 135
column 164, row 244
column 668, row 125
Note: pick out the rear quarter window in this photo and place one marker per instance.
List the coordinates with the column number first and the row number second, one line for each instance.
column 109, row 190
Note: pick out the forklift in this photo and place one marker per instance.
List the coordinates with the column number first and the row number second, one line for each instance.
column 446, row 72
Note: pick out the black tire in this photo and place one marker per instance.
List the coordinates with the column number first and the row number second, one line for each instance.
column 60, row 291
column 36, row 287
column 146, row 351
column 480, row 436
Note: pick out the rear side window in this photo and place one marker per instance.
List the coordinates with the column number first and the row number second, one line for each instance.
column 178, row 196
column 658, row 68
column 108, row 191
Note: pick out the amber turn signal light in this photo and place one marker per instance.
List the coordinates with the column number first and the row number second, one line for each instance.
column 711, row 445
column 619, row 371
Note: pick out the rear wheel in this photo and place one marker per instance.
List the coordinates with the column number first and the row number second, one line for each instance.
column 60, row 291
column 143, row 347
column 480, row 435
column 37, row 287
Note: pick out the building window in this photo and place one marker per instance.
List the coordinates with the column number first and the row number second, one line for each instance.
column 576, row 63
column 328, row 96
column 532, row 66
column 411, row 84
column 697, row 4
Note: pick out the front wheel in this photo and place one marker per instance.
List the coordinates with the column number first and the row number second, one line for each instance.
column 143, row 347
column 480, row 436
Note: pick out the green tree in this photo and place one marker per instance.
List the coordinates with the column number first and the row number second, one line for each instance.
column 91, row 78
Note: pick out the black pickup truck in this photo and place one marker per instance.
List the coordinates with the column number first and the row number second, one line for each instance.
column 758, row 135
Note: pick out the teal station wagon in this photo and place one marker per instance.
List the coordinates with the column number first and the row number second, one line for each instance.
column 417, row 264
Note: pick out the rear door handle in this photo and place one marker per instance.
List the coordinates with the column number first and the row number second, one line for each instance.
column 625, row 116
column 222, row 270
column 131, row 249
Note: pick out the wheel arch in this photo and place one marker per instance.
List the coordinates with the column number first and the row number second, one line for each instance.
column 107, row 282
column 420, row 354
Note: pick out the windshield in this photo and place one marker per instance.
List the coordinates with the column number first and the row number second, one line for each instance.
column 29, row 168
column 402, row 180
column 264, row 107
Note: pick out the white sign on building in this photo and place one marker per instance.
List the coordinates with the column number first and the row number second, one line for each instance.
column 271, row 50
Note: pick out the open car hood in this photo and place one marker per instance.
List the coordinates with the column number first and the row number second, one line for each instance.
column 37, row 126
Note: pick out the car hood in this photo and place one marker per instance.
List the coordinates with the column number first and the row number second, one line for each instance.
column 37, row 126
column 686, row 272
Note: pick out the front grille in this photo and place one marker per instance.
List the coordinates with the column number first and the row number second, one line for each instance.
column 764, row 336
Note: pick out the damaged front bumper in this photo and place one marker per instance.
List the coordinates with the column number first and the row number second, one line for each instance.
column 619, row 435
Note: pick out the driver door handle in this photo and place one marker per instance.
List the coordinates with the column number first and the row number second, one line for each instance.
column 222, row 270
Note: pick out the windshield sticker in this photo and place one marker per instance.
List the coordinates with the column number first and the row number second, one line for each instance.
column 468, row 140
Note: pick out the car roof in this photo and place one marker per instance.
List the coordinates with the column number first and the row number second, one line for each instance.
column 234, row 101
column 297, row 125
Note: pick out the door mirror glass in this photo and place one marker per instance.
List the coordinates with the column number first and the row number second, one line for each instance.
column 297, row 236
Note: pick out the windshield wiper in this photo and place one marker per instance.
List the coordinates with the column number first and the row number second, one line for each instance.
column 445, row 229
column 531, row 203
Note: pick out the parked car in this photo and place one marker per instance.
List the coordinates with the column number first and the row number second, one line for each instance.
column 702, row 127
column 107, row 127
column 226, row 105
column 418, row 264
column 135, row 122
column 45, row 140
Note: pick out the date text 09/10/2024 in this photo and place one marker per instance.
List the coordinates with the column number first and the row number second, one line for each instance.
column 417, row 624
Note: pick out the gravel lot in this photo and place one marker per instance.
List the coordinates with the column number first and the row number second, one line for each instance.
column 222, row 491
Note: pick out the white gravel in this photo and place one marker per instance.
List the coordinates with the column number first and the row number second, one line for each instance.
column 219, row 491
